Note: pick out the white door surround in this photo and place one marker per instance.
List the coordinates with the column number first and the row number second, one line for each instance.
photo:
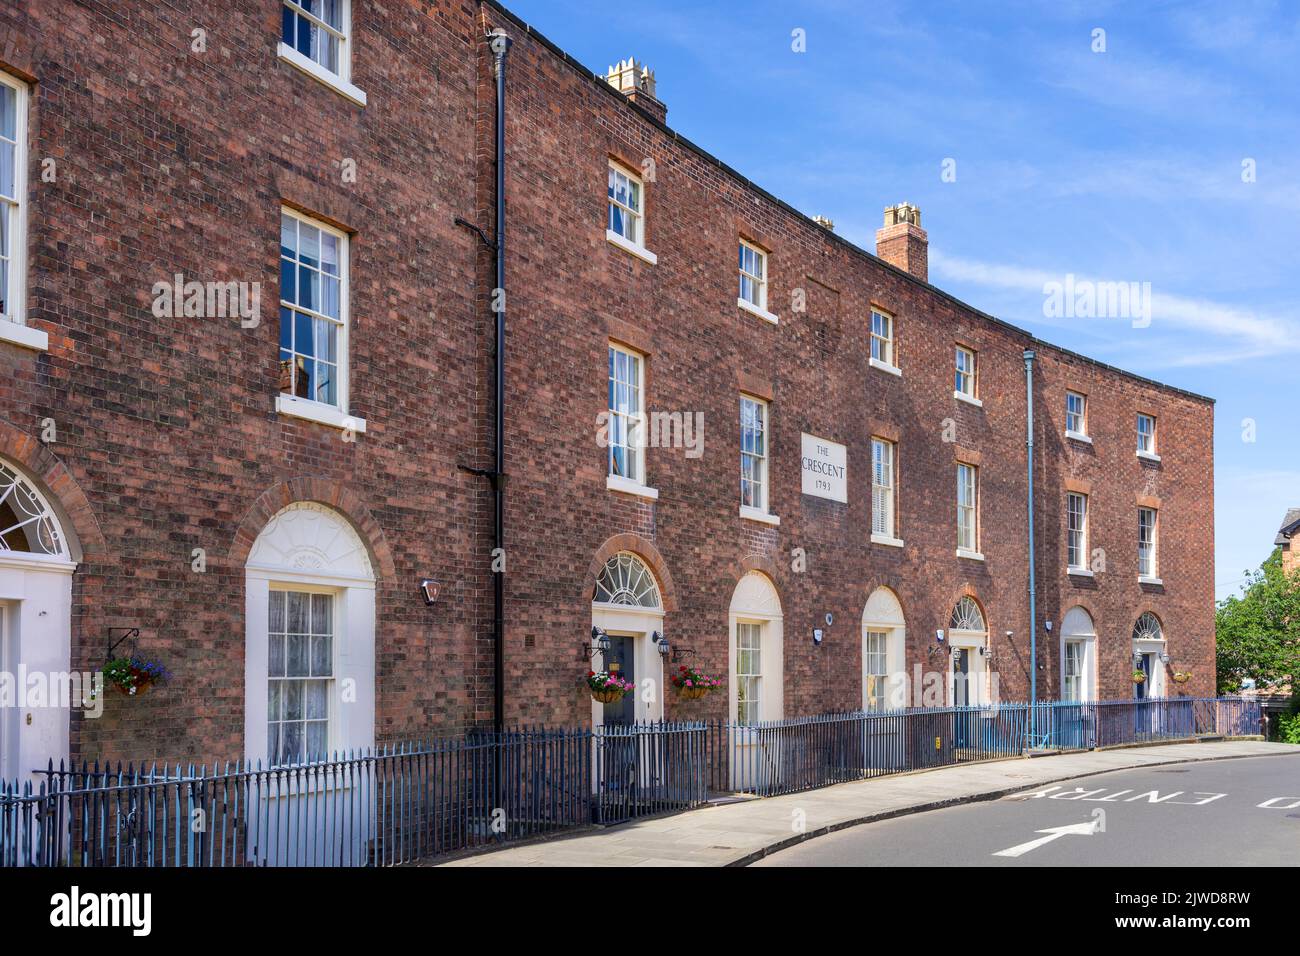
column 647, row 666
column 967, row 629
column 755, row 601
column 1077, row 625
column 627, row 602
column 37, row 560
column 883, row 614
column 1149, row 638
column 309, row 547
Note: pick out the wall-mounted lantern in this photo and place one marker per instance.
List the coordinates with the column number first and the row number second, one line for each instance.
column 661, row 644
column 429, row 589
column 599, row 643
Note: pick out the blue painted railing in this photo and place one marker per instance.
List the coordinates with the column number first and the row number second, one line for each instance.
column 415, row 801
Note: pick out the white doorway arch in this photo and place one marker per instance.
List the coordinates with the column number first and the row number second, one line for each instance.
column 1078, row 653
column 755, row 651
column 37, row 559
column 968, row 641
column 627, row 605
column 309, row 662
column 884, row 643
column 1149, row 653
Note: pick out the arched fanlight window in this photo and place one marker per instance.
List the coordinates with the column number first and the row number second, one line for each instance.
column 27, row 523
column 966, row 616
column 626, row 581
column 1148, row 628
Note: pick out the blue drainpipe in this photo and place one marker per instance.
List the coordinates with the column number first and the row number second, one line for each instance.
column 1033, row 613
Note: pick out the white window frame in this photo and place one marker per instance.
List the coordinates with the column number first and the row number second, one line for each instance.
column 336, row 415
column 966, row 381
column 636, row 243
column 340, row 82
column 13, row 323
column 1073, row 679
column 330, row 719
column 1076, row 531
column 875, row 669
column 1149, row 546
column 634, row 425
column 883, row 344
column 758, row 280
column 968, row 511
column 762, row 510
column 751, row 710
column 884, row 464
column 1146, row 441
column 1076, row 423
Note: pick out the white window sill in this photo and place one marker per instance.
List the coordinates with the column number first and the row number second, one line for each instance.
column 752, row 309
column 630, row 487
column 753, row 514
column 969, row 555
column 887, row 540
column 1144, row 579
column 886, row 367
column 1078, row 436
column 968, row 399
column 1080, row 573
column 641, row 252
column 28, row 338
column 318, row 412
column 1148, row 456
column 317, row 72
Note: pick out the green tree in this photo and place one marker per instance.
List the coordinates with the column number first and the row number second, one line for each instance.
column 1258, row 633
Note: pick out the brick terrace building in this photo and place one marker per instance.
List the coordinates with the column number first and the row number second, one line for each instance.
column 261, row 495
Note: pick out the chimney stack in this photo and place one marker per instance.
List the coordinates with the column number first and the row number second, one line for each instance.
column 636, row 81
column 902, row 242
column 825, row 222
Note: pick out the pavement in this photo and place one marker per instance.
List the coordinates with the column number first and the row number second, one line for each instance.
column 739, row 833
column 1215, row 813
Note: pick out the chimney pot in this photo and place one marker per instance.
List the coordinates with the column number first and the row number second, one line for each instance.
column 636, row 81
column 902, row 242
column 825, row 222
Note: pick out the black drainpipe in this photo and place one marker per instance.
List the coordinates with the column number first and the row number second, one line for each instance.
column 500, row 45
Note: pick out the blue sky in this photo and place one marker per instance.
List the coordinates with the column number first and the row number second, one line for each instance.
column 1123, row 165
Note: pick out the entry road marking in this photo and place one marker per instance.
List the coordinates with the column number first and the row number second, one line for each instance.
column 1053, row 833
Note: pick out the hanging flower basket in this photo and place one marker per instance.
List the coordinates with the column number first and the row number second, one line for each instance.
column 693, row 693
column 607, row 688
column 691, row 684
column 133, row 676
column 1139, row 677
column 1182, row 677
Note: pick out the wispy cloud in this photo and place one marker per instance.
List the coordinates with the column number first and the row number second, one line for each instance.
column 1230, row 333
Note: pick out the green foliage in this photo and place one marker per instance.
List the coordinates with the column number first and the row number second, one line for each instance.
column 1258, row 633
column 1288, row 728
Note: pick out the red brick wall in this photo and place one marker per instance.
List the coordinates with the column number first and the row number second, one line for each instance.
column 171, row 161
column 174, row 161
column 571, row 292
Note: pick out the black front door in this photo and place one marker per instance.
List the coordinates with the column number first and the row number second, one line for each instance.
column 961, row 695
column 961, row 676
column 619, row 662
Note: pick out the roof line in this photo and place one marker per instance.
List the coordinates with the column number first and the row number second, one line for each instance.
column 600, row 81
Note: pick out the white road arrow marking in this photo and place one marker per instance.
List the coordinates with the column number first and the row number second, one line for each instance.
column 1053, row 833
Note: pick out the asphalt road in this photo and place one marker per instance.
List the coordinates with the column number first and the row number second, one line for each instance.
column 1243, row 812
